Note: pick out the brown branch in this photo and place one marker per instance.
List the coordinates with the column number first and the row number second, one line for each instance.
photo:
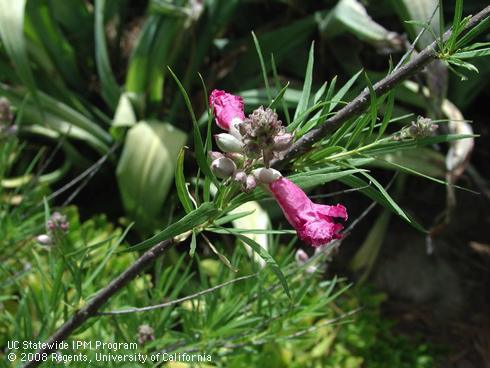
column 356, row 106
column 362, row 101
column 91, row 308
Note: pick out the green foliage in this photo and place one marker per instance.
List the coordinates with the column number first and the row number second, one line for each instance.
column 87, row 86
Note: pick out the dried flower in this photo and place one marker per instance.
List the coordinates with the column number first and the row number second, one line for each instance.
column 314, row 223
column 223, row 167
column 263, row 135
column 57, row 222
column 227, row 109
column 228, row 143
column 423, row 127
column 145, row 334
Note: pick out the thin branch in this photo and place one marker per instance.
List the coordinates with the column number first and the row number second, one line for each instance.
column 90, row 172
column 414, row 44
column 92, row 307
column 176, row 301
column 362, row 101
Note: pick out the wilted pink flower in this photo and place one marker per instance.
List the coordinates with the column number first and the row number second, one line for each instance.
column 314, row 223
column 227, row 108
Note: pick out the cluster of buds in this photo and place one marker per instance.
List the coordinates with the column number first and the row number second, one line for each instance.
column 249, row 141
column 55, row 226
column 231, row 166
column 247, row 150
column 423, row 127
column 6, row 118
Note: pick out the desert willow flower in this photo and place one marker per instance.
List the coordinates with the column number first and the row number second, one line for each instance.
column 256, row 140
column 314, row 223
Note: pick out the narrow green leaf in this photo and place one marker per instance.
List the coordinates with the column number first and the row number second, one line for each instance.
column 110, row 88
column 278, row 86
column 387, row 115
column 265, row 256
column 379, row 195
column 314, row 178
column 190, row 221
column 279, row 97
column 345, row 88
column 201, row 155
column 180, row 183
column 472, row 54
column 473, row 33
column 262, row 66
column 229, row 218
column 305, row 94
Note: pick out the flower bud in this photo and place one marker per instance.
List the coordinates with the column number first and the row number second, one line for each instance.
column 250, row 183
column 214, row 155
column 228, row 143
column 283, row 141
column 301, row 257
column 266, row 176
column 240, row 177
column 44, row 239
column 223, row 167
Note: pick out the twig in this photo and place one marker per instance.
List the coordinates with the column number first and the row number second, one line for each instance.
column 91, row 308
column 361, row 102
column 414, row 44
column 88, row 172
column 176, row 301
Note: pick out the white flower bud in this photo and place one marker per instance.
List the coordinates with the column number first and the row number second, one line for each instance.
column 240, row 177
column 223, row 167
column 44, row 239
column 214, row 155
column 266, row 176
column 228, row 143
column 301, row 257
column 250, row 183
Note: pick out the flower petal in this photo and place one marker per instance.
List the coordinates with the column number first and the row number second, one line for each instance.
column 314, row 223
column 227, row 108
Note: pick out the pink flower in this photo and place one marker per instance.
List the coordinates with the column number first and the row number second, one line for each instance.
column 314, row 223
column 227, row 109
